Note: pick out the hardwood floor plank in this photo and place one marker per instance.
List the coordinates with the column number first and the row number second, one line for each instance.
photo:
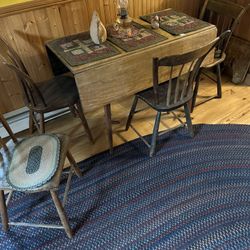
column 234, row 107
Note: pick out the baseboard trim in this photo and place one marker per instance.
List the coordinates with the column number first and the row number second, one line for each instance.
column 18, row 120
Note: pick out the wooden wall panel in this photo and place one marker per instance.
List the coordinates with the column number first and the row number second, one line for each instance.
column 28, row 26
column 10, row 97
column 243, row 30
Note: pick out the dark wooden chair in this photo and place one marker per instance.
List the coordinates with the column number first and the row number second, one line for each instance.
column 16, row 152
column 43, row 97
column 169, row 95
column 226, row 16
column 222, row 38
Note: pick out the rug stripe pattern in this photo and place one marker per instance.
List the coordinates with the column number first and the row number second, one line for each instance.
column 194, row 194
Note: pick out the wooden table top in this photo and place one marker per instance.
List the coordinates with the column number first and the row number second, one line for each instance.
column 104, row 81
column 169, row 39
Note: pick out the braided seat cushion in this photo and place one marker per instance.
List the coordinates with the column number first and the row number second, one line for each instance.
column 34, row 162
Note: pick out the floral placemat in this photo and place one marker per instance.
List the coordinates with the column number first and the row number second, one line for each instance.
column 134, row 37
column 79, row 49
column 176, row 23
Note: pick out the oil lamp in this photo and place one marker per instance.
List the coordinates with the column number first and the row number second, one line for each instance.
column 123, row 18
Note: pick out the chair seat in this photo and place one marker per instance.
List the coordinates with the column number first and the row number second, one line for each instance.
column 39, row 168
column 216, row 61
column 58, row 92
column 149, row 97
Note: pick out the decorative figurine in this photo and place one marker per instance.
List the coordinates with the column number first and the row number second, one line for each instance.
column 98, row 32
column 155, row 22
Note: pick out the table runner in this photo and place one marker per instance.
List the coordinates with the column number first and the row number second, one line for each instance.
column 137, row 37
column 175, row 22
column 79, row 49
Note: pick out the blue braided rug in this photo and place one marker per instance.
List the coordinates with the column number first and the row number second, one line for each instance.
column 194, row 194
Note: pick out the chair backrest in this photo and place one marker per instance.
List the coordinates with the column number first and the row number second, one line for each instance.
column 7, row 50
column 225, row 14
column 9, row 131
column 180, row 73
column 10, row 58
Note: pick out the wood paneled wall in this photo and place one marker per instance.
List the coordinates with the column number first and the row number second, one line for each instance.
column 27, row 26
column 243, row 30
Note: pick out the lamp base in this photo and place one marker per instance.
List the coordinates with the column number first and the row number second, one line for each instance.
column 124, row 22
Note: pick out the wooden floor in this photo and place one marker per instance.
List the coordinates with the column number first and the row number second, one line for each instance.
column 233, row 108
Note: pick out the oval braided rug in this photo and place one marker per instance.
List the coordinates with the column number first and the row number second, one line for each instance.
column 194, row 194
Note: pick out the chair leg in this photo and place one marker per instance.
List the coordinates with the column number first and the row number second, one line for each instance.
column 3, row 211
column 155, row 134
column 73, row 111
column 196, row 88
column 219, row 81
column 73, row 164
column 9, row 198
column 77, row 171
column 131, row 113
column 66, row 191
column 31, row 122
column 61, row 213
column 42, row 124
column 188, row 119
column 108, row 122
column 84, row 121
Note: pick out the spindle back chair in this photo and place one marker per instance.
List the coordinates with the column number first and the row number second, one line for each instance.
column 224, row 36
column 9, row 153
column 172, row 88
column 46, row 96
column 225, row 15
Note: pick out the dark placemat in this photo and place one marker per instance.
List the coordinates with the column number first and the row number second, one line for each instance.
column 79, row 49
column 133, row 38
column 176, row 23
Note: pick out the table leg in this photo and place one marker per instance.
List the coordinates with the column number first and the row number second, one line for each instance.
column 108, row 123
column 3, row 211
